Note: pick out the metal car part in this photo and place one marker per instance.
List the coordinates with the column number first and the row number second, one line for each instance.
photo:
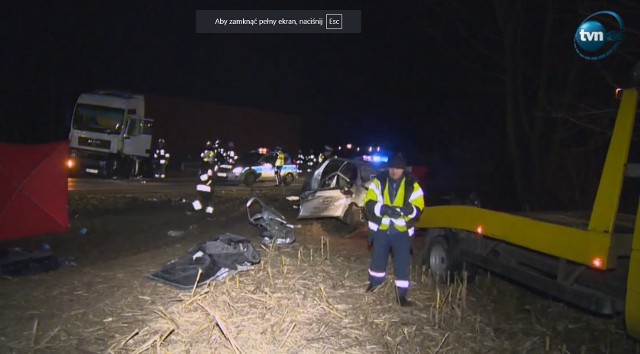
column 273, row 226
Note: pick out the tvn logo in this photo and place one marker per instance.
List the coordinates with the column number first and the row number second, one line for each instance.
column 593, row 41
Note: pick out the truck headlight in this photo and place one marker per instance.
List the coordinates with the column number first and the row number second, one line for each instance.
column 237, row 170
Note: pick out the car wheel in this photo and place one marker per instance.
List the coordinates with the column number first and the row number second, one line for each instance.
column 288, row 179
column 337, row 227
column 249, row 179
column 353, row 216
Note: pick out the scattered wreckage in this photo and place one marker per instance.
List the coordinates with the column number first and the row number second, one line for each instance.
column 273, row 226
column 209, row 261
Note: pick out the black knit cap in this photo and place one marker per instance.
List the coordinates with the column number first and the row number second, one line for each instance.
column 397, row 161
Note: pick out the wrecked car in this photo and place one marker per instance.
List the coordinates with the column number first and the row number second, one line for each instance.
column 337, row 189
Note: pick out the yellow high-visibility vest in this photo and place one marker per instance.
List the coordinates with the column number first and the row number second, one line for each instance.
column 280, row 159
column 380, row 197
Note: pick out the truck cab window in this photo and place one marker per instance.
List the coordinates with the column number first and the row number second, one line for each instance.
column 138, row 126
column 97, row 119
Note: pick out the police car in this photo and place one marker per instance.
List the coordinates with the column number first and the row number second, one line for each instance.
column 256, row 166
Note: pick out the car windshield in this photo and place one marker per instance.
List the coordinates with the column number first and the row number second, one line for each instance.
column 249, row 159
column 271, row 158
column 98, row 119
column 346, row 175
column 350, row 171
column 332, row 166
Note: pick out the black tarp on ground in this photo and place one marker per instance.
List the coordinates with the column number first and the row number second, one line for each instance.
column 16, row 262
column 217, row 259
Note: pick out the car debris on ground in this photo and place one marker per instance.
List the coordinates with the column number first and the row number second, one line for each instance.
column 273, row 226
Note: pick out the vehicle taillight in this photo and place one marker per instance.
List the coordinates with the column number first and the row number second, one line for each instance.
column 597, row 263
column 70, row 163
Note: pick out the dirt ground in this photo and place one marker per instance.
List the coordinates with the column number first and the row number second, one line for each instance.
column 304, row 298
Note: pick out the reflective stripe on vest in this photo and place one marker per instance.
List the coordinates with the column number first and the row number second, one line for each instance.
column 400, row 224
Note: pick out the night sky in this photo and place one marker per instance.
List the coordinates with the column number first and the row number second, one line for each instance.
column 384, row 74
column 424, row 77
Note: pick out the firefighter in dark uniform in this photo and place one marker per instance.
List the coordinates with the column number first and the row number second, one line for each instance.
column 230, row 155
column 311, row 161
column 393, row 203
column 208, row 154
column 160, row 160
column 218, row 153
column 279, row 165
column 301, row 160
column 204, row 189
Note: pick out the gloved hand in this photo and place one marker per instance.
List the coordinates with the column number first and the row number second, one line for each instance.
column 392, row 212
column 407, row 209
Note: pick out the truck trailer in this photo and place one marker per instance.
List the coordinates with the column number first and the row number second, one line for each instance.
column 593, row 263
column 114, row 133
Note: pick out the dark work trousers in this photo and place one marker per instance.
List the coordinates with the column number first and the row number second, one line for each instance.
column 399, row 244
column 278, row 175
column 206, row 198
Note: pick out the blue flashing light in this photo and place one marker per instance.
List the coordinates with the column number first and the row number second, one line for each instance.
column 379, row 158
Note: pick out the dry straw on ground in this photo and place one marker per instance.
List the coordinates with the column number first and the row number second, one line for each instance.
column 309, row 298
column 303, row 299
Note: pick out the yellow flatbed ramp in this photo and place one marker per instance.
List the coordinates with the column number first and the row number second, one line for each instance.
column 594, row 243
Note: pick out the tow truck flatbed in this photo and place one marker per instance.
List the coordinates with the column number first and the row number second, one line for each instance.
column 589, row 260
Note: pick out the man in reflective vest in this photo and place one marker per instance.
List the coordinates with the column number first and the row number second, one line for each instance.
column 393, row 203
column 208, row 154
column 326, row 154
column 205, row 189
column 278, row 165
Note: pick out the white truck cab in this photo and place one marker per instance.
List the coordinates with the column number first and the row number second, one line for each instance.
column 108, row 135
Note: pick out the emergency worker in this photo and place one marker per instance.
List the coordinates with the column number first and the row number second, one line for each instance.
column 279, row 164
column 301, row 160
column 311, row 161
column 160, row 160
column 326, row 154
column 393, row 203
column 208, row 153
column 219, row 153
column 230, row 155
column 204, row 187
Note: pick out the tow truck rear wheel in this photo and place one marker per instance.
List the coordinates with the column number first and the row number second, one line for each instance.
column 437, row 258
column 442, row 258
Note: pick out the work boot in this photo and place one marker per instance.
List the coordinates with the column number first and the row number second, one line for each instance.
column 404, row 302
